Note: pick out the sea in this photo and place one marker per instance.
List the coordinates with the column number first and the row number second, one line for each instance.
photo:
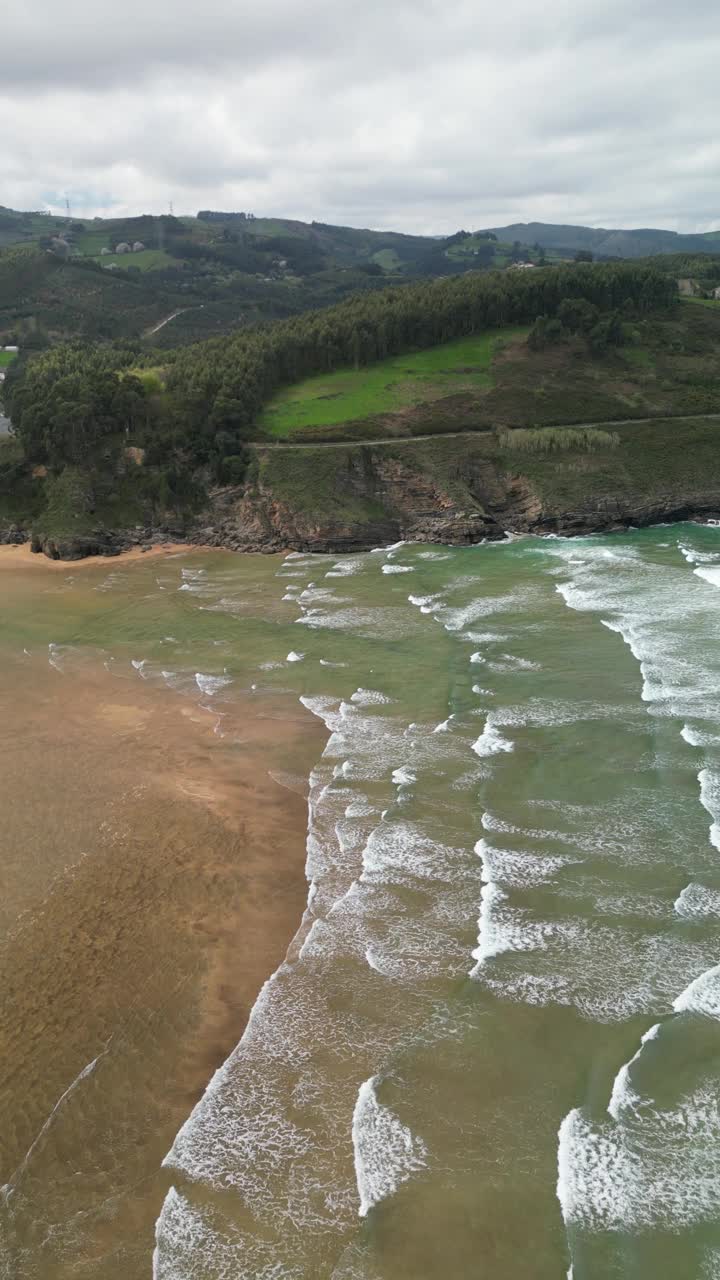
column 492, row 1047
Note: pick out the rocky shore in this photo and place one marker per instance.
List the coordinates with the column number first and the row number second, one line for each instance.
column 258, row 522
column 460, row 491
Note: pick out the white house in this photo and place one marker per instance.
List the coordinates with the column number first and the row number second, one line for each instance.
column 11, row 348
column 123, row 247
column 138, row 246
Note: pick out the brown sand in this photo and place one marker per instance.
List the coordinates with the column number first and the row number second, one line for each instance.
column 21, row 557
column 158, row 875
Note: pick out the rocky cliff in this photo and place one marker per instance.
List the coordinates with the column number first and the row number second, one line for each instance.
column 457, row 490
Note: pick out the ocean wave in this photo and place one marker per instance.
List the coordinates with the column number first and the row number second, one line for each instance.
column 491, row 742
column 386, row 1152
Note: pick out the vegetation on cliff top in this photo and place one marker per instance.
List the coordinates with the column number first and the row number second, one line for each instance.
column 161, row 434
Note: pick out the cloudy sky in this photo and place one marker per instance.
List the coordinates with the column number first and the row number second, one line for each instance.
column 419, row 115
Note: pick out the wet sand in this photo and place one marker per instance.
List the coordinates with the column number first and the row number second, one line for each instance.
column 153, row 878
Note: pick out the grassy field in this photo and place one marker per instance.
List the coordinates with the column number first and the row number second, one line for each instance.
column 389, row 386
column 6, row 357
column 89, row 243
column 703, row 302
column 146, row 260
column 387, row 259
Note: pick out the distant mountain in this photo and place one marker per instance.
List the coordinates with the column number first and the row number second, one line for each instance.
column 603, row 243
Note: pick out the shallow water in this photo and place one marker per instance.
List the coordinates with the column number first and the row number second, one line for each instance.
column 493, row 1048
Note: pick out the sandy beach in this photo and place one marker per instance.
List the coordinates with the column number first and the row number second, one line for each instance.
column 163, row 867
column 19, row 556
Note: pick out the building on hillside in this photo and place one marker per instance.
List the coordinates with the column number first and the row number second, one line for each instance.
column 105, row 251
column 138, row 246
column 689, row 288
column 716, row 292
column 123, row 247
column 11, row 349
column 521, row 266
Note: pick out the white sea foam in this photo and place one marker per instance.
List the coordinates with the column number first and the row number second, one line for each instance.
column 491, row 742
column 693, row 556
column 502, row 927
column 397, row 568
column 386, row 1152
column 345, row 568
column 294, row 656
column 369, row 698
column 702, row 995
column 624, row 1096
column 650, row 1168
column 710, row 800
column 520, row 869
column 374, row 623
column 698, row 737
column 425, row 604
column 709, row 575
column 698, row 902
column 401, row 852
column 403, row 776
column 508, row 662
column 194, row 1240
column 210, row 685
column 56, row 654
column 459, row 617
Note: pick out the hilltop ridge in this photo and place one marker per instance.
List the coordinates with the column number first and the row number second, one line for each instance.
column 176, row 280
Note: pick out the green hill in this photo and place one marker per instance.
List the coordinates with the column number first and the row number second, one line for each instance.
column 665, row 364
column 605, row 243
column 222, row 271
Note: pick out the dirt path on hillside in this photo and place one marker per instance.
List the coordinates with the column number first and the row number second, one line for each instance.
column 454, row 435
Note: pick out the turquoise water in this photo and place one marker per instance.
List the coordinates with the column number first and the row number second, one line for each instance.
column 494, row 1048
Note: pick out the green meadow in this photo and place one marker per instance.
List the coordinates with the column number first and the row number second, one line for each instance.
column 389, row 386
column 146, row 260
column 6, row 357
column 703, row 302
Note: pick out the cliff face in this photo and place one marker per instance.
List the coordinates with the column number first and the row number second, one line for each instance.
column 376, row 498
column 381, row 498
column 457, row 490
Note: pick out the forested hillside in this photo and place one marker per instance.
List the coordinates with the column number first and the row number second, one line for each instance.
column 206, row 402
column 219, row 272
column 116, row 444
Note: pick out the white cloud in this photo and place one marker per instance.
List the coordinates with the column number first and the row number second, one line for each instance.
column 418, row 115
